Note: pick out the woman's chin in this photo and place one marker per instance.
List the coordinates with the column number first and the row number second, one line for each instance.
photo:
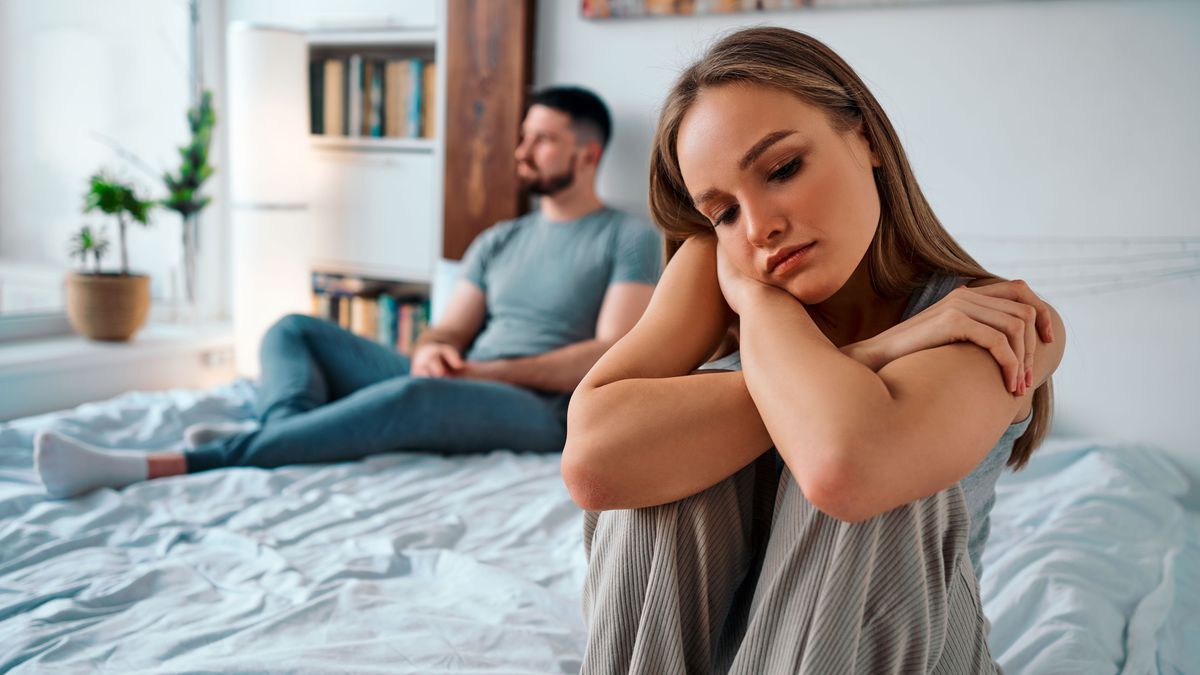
column 806, row 292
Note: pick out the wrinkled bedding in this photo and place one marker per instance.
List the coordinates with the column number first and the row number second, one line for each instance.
column 418, row 563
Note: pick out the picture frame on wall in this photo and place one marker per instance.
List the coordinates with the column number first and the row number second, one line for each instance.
column 615, row 9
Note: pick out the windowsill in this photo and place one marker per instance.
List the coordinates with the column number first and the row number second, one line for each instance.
column 57, row 373
column 154, row 340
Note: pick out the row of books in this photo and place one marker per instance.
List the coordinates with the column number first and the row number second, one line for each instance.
column 365, row 96
column 390, row 313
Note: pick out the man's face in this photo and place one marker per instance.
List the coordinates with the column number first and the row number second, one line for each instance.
column 548, row 151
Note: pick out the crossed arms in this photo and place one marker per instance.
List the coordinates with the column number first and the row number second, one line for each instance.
column 859, row 440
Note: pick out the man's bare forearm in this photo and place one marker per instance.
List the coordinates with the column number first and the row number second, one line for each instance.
column 560, row 370
column 445, row 336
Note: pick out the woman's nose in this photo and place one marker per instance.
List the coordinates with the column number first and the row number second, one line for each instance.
column 763, row 226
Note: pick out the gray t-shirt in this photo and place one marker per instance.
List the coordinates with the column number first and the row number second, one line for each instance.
column 545, row 281
column 979, row 486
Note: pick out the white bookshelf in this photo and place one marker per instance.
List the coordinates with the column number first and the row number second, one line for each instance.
column 373, row 37
column 356, row 205
column 375, row 144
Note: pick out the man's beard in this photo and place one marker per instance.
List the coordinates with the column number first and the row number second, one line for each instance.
column 548, row 186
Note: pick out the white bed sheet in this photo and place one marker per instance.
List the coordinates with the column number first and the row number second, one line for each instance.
column 417, row 563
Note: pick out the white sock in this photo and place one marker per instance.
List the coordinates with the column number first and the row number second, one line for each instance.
column 69, row 468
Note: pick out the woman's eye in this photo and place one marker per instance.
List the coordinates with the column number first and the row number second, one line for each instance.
column 725, row 216
column 784, row 172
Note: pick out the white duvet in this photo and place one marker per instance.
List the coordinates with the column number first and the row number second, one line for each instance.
column 417, row 563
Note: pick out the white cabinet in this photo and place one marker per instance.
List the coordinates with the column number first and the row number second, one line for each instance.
column 375, row 211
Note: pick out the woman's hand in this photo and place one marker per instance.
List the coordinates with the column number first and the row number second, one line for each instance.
column 1004, row 318
column 735, row 286
column 435, row 359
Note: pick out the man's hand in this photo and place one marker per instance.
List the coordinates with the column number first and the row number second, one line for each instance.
column 435, row 359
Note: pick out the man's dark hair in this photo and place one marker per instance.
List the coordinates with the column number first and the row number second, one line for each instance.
column 588, row 113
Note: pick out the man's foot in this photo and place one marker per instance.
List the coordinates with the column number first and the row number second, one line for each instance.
column 68, row 467
column 199, row 434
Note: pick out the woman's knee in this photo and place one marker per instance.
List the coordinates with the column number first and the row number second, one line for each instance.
column 721, row 513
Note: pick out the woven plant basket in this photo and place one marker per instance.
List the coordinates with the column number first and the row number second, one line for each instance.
column 109, row 307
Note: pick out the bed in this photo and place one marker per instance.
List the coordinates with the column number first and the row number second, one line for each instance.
column 417, row 563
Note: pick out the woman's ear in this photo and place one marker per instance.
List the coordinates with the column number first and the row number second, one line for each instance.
column 862, row 132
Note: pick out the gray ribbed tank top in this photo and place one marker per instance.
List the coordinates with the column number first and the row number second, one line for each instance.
column 979, row 486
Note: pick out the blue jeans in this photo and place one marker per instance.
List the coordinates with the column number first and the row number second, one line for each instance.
column 327, row 395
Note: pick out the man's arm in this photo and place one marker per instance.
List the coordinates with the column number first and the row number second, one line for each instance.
column 439, row 348
column 462, row 320
column 561, row 370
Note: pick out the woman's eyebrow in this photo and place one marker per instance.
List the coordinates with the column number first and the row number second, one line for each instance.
column 747, row 159
column 761, row 146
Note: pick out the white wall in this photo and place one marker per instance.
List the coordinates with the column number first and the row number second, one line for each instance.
column 1055, row 138
column 70, row 72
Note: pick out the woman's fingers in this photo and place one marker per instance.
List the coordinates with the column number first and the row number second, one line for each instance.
column 1019, row 291
column 1011, row 328
column 998, row 345
column 1026, row 314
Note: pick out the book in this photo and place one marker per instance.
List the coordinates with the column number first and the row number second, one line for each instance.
column 316, row 93
column 345, row 311
column 404, row 329
column 372, row 97
column 333, row 99
column 386, row 320
column 416, row 89
column 357, row 313
column 377, row 98
column 354, row 88
column 397, row 73
column 429, row 100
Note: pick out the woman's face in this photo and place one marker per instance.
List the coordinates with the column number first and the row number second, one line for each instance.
column 793, row 202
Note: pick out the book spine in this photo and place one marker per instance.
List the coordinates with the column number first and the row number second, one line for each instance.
column 404, row 330
column 334, row 117
column 354, row 89
column 316, row 97
column 335, row 309
column 415, row 98
column 429, row 104
column 376, row 126
column 386, row 320
column 396, row 109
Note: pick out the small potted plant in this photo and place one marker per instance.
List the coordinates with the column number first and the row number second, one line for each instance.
column 108, row 305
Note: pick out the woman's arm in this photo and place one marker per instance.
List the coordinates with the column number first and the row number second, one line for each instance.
column 859, row 442
column 644, row 431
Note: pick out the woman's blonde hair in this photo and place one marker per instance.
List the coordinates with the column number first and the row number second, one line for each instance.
column 909, row 244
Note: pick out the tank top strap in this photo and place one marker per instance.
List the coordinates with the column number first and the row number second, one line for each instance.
column 936, row 287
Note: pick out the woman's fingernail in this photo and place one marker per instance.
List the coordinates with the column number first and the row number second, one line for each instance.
column 1029, row 377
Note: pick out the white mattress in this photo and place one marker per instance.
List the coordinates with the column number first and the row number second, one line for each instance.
column 417, row 563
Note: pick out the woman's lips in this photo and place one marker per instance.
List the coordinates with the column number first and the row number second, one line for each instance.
column 793, row 259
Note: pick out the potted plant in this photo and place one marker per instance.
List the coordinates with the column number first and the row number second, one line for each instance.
column 108, row 305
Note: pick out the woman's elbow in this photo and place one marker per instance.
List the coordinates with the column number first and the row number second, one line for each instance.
column 582, row 465
column 838, row 492
column 585, row 481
